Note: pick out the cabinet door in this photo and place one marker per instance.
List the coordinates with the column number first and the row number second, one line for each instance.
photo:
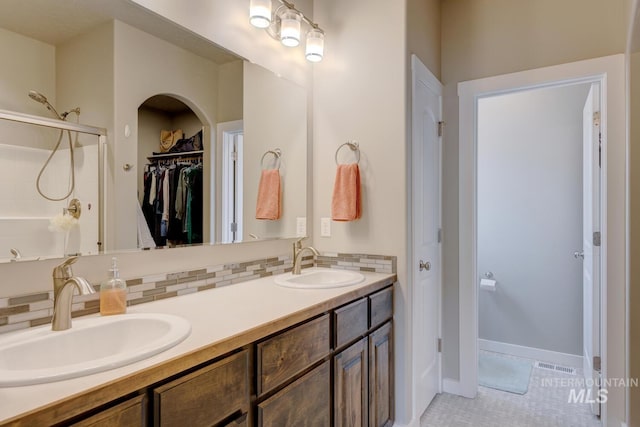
column 205, row 397
column 351, row 385
column 351, row 321
column 290, row 353
column 132, row 413
column 381, row 398
column 304, row 403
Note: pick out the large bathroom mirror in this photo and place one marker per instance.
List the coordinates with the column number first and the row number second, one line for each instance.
column 172, row 103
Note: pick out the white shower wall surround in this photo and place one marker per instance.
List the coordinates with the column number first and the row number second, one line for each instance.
column 24, row 214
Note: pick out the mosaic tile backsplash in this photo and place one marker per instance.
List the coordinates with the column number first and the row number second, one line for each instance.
column 24, row 311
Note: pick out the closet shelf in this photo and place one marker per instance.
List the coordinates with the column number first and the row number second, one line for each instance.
column 175, row 155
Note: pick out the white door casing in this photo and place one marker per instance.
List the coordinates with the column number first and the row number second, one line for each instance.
column 590, row 251
column 609, row 72
column 425, row 260
column 230, row 135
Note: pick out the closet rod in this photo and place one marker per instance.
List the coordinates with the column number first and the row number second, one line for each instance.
column 51, row 123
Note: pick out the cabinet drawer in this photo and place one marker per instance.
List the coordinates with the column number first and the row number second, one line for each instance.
column 350, row 322
column 306, row 402
column 241, row 421
column 289, row 353
column 381, row 306
column 204, row 397
column 132, row 413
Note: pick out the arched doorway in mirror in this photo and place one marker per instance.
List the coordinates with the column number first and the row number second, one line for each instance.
column 172, row 174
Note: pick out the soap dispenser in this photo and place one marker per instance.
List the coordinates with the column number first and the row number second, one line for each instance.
column 113, row 292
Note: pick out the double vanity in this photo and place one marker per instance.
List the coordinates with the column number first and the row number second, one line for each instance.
column 309, row 349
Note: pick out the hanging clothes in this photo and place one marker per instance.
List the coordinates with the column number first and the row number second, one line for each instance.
column 173, row 201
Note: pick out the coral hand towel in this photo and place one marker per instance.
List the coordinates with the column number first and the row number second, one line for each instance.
column 268, row 205
column 346, row 204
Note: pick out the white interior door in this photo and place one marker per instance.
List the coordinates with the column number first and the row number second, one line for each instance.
column 425, row 262
column 590, row 244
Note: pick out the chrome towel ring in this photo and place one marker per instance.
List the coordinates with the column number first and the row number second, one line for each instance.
column 354, row 146
column 276, row 153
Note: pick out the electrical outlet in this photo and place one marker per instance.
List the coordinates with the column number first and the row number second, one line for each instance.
column 325, row 227
column 301, row 226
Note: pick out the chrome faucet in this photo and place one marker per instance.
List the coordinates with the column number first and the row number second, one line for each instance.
column 298, row 250
column 63, row 284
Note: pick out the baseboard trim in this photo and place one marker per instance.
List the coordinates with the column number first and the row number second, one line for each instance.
column 413, row 423
column 451, row 386
column 558, row 358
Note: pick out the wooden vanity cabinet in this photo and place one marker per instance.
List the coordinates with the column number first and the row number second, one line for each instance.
column 333, row 369
column 304, row 403
column 132, row 412
column 381, row 376
column 206, row 397
column 363, row 371
column 351, row 385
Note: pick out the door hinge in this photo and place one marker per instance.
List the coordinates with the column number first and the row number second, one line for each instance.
column 596, row 238
column 440, row 128
column 439, row 345
column 596, row 118
column 234, row 227
column 597, row 363
column 234, row 156
column 439, row 235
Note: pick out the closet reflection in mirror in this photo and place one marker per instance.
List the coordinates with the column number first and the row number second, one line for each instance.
column 116, row 73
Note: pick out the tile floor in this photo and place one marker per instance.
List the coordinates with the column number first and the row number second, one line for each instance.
column 544, row 405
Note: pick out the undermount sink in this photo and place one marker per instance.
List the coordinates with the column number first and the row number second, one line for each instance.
column 40, row 355
column 319, row 278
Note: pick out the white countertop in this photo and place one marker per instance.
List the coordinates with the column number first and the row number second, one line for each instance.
column 215, row 316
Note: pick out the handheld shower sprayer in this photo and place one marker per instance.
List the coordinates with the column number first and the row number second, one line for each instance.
column 38, row 97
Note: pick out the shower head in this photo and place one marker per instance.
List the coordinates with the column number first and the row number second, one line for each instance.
column 38, row 97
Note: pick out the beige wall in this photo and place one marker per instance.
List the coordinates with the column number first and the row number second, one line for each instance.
column 633, row 48
column 482, row 38
column 423, row 33
column 35, row 71
column 147, row 66
column 359, row 94
column 275, row 116
column 634, row 212
column 230, row 91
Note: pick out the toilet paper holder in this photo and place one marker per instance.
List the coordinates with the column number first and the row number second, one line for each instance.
column 487, row 282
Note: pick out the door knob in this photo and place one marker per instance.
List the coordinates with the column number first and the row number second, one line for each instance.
column 425, row 265
column 578, row 255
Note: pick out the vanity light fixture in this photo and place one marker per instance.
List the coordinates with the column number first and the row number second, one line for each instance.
column 260, row 13
column 285, row 24
column 290, row 28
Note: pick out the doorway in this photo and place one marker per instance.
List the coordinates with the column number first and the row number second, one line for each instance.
column 609, row 73
column 538, row 211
